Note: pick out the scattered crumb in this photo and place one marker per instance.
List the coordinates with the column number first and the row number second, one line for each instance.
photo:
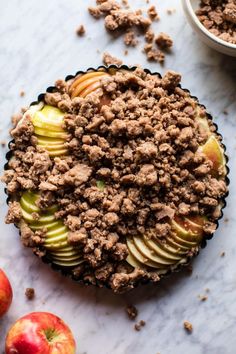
column 226, row 220
column 126, row 52
column 225, row 112
column 154, row 54
column 3, row 143
column 202, row 297
column 80, row 31
column 188, row 326
column 130, row 39
column 125, row 3
column 152, row 13
column 98, row 51
column 132, row 312
column 207, row 290
column 22, row 93
column 138, row 326
column 171, row 11
column 122, row 22
column 222, row 254
column 149, row 36
column 109, row 60
column 30, row 293
column 164, row 41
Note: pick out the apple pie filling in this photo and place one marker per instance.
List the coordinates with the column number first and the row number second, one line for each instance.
column 116, row 176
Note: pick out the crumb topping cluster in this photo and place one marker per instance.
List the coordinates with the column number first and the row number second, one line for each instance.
column 132, row 162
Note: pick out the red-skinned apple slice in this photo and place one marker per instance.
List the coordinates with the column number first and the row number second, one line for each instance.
column 214, row 153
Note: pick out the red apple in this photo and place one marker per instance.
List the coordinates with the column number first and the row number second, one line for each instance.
column 5, row 293
column 40, row 333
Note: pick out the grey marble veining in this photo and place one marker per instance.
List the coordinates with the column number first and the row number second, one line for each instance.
column 37, row 46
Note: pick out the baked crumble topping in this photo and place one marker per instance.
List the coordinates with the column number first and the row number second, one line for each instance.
column 219, row 17
column 128, row 167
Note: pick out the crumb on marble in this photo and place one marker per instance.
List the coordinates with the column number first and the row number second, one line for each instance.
column 188, row 327
column 22, row 93
column 138, row 326
column 108, row 59
column 80, row 31
column 222, row 254
column 30, row 293
column 3, row 143
column 207, row 290
column 152, row 13
column 226, row 220
column 225, row 112
column 171, row 11
column 132, row 312
column 126, row 52
column 202, row 297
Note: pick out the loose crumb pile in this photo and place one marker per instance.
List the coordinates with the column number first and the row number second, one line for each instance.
column 30, row 293
column 219, row 17
column 120, row 21
column 133, row 164
column 188, row 327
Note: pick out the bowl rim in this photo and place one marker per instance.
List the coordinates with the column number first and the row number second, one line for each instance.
column 205, row 30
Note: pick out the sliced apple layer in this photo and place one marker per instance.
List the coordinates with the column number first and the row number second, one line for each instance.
column 214, row 153
column 48, row 129
column 87, row 83
column 56, row 243
column 164, row 255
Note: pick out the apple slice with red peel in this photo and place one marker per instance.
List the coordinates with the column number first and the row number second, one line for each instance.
column 40, row 333
column 187, row 230
column 214, row 153
column 87, row 84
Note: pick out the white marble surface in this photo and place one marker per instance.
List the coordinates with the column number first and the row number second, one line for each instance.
column 38, row 45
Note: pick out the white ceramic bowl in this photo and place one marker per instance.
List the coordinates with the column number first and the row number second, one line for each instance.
column 207, row 37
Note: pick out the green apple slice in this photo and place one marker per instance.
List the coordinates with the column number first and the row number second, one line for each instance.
column 51, row 134
column 159, row 251
column 28, row 206
column 53, row 246
column 150, row 253
column 45, row 124
column 177, row 246
column 138, row 256
column 43, row 140
column 65, row 252
column 56, row 153
column 68, row 264
column 183, row 242
column 172, row 248
column 133, row 262
column 35, row 226
column 58, row 230
column 66, row 258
